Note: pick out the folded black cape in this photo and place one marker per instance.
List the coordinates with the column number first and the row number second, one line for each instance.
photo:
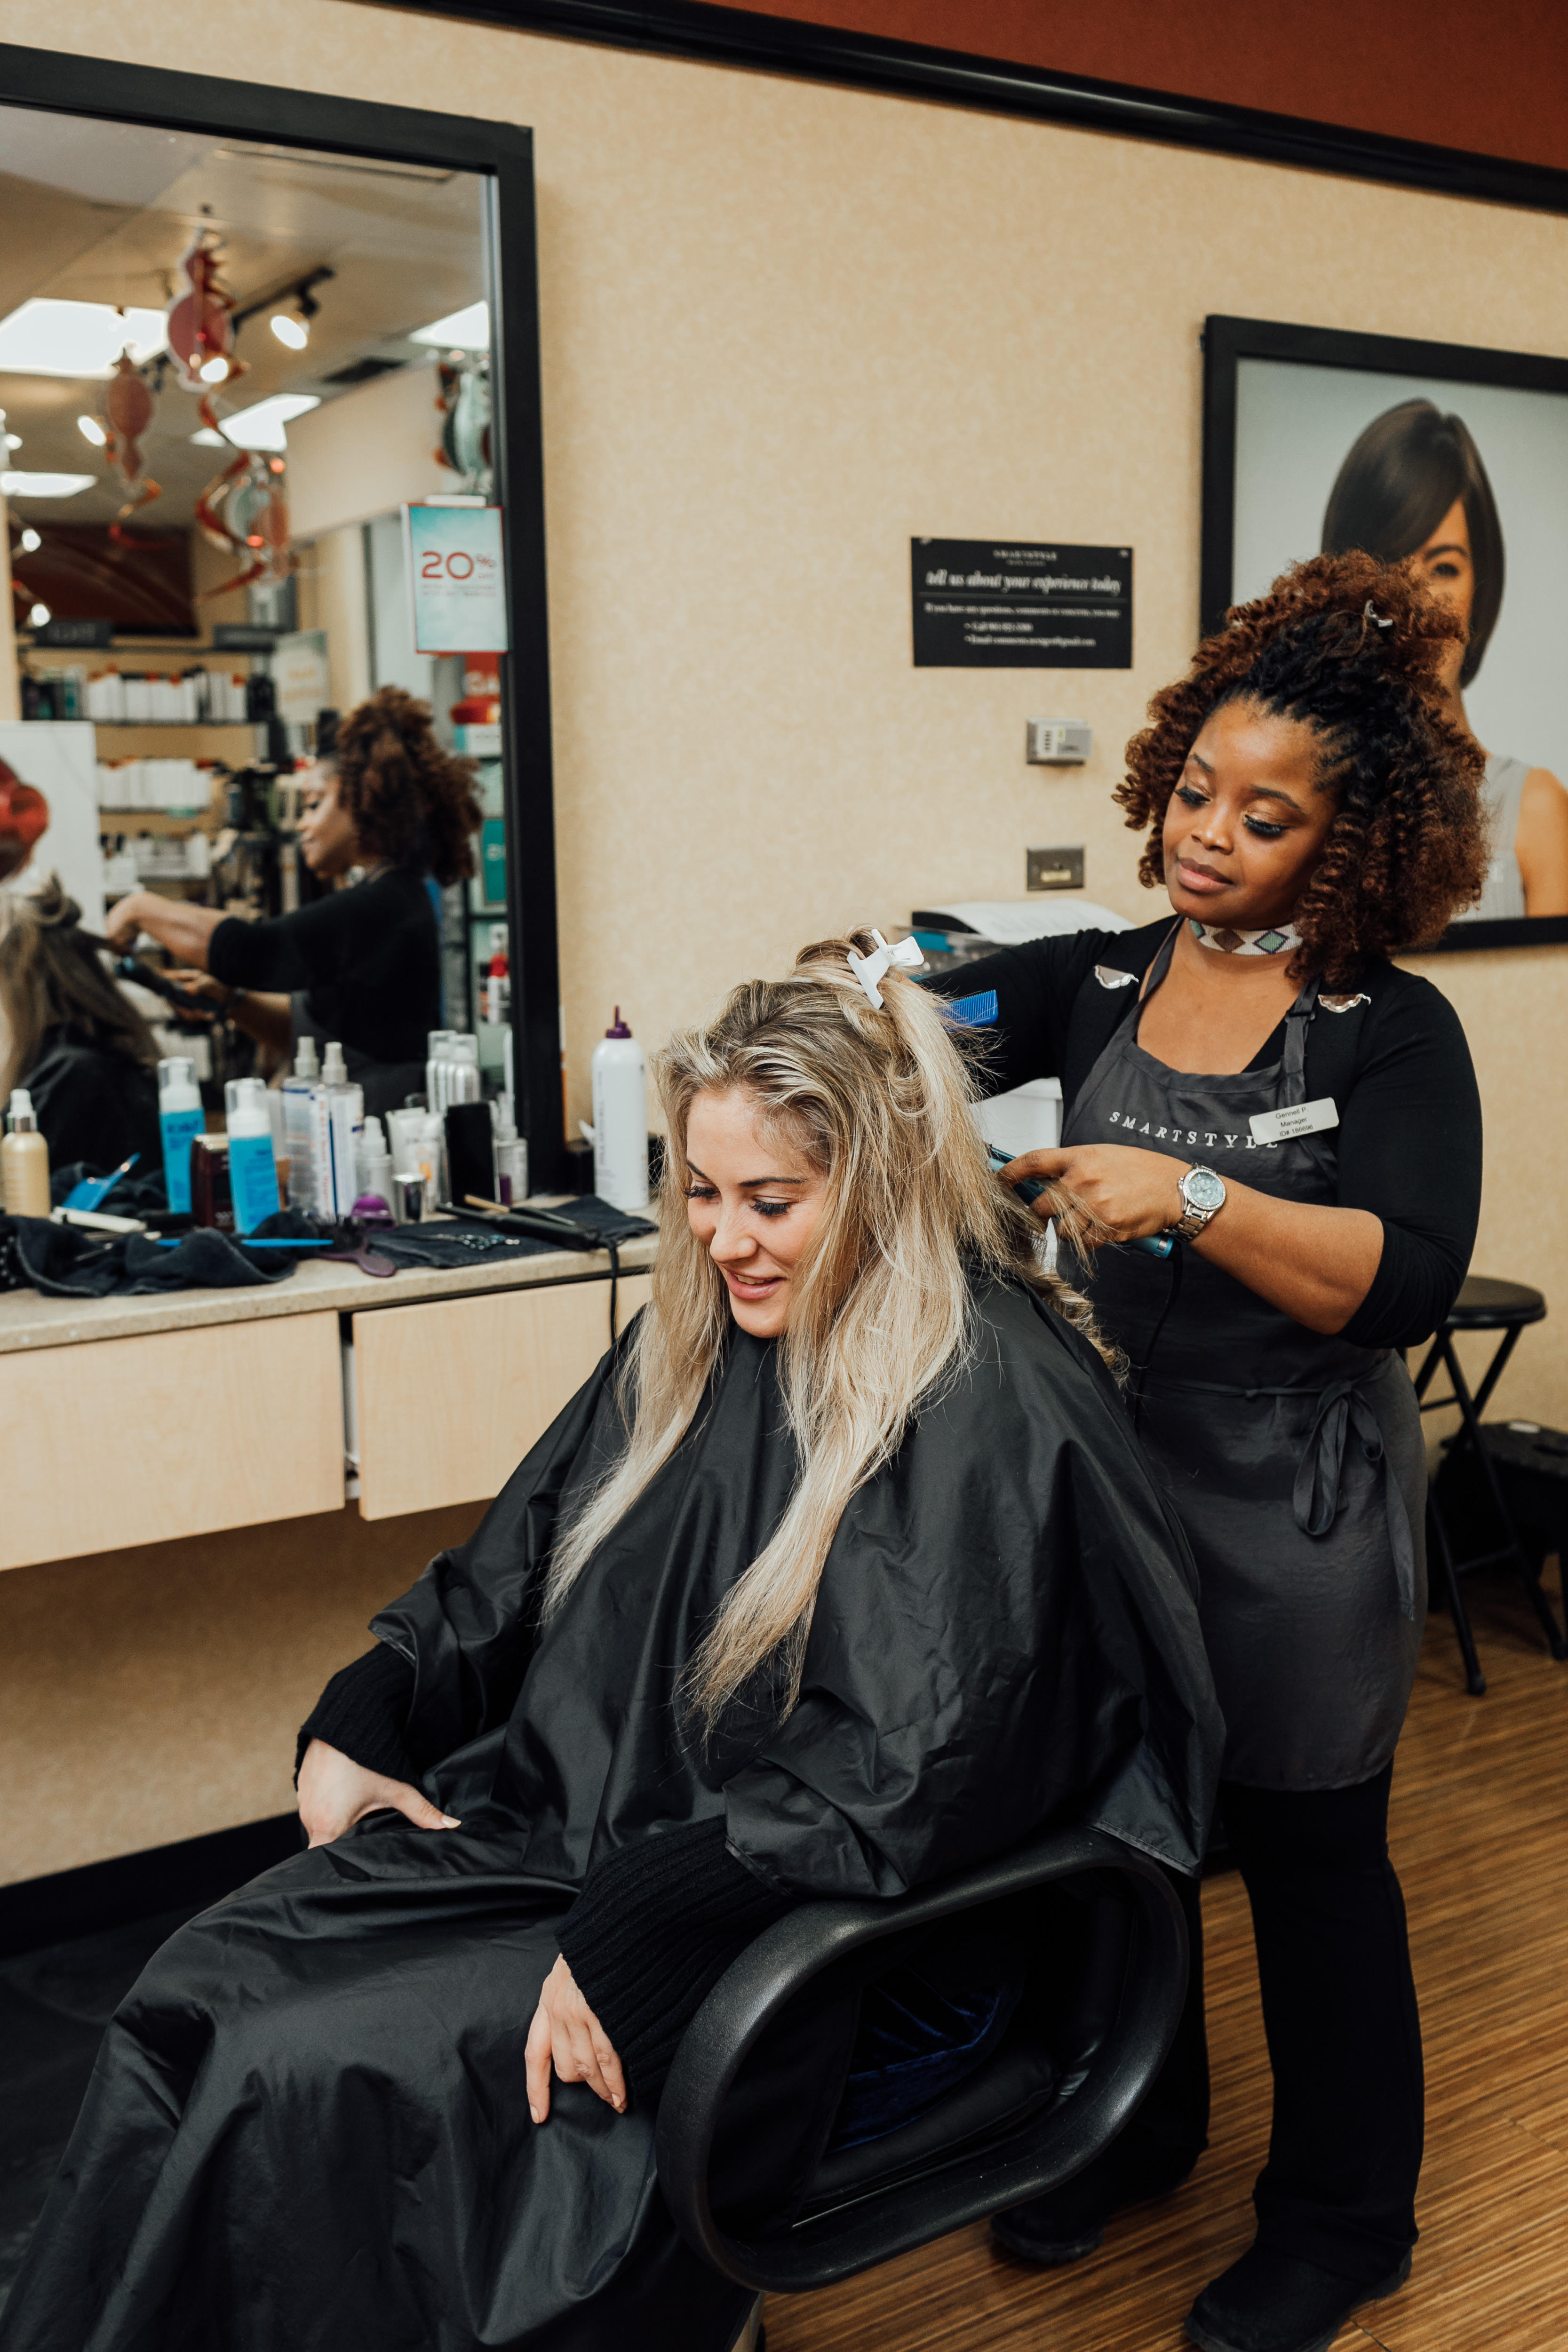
column 308, row 2128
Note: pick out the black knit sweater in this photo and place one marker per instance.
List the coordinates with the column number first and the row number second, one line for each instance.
column 655, row 1925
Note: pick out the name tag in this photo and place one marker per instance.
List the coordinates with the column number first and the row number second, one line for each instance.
column 1296, row 1118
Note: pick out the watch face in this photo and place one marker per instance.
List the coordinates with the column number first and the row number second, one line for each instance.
column 1203, row 1189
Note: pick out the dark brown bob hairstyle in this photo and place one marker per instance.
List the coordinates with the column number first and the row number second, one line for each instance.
column 1400, row 479
column 1349, row 647
column 412, row 802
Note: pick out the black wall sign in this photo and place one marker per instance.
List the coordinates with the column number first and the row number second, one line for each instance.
column 981, row 604
column 90, row 634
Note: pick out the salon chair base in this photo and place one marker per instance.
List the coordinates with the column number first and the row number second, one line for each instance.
column 1270, row 2302
column 1055, row 2093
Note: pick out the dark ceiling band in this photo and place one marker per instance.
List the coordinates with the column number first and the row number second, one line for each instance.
column 734, row 37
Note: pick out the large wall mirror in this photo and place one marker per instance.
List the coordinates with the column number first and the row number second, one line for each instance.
column 1458, row 458
column 260, row 354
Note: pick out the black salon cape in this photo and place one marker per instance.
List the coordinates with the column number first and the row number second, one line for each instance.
column 308, row 2129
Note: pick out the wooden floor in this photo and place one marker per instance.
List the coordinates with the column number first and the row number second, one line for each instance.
column 1480, row 1840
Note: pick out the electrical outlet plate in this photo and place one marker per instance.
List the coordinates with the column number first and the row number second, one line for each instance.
column 1055, row 869
column 1058, row 743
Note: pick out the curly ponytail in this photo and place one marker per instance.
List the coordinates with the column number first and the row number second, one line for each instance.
column 411, row 802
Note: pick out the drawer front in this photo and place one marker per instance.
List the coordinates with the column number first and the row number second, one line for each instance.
column 452, row 1394
column 115, row 1442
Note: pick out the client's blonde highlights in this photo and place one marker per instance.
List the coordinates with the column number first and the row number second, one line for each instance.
column 881, row 1303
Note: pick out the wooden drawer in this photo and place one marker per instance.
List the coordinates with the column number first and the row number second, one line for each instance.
column 451, row 1395
column 115, row 1442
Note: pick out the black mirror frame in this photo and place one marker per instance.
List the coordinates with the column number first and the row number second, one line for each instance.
column 1227, row 341
column 501, row 154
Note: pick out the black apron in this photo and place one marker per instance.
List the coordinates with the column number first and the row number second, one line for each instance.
column 1295, row 1461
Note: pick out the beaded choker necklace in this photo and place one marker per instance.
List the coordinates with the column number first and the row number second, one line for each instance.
column 1272, row 942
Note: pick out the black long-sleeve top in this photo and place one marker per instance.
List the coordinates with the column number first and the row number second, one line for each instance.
column 1397, row 1067
column 368, row 961
column 94, row 1104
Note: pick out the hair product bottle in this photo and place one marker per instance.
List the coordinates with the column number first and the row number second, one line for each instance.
column 497, row 979
column 297, row 1089
column 24, row 1161
column 252, row 1171
column 180, row 1123
column 510, row 1155
column 333, row 1106
column 620, row 1119
column 375, row 1162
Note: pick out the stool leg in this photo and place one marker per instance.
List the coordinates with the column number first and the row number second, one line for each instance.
column 1438, row 1548
column 1470, row 1414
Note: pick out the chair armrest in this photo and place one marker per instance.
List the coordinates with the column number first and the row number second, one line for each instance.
column 786, row 1956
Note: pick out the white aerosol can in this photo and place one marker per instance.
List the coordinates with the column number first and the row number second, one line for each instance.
column 620, row 1119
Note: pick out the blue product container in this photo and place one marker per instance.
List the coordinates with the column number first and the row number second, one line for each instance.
column 180, row 1122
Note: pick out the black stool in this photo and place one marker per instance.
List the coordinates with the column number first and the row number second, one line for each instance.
column 1482, row 1306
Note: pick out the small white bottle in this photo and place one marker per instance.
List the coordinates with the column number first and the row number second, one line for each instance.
column 298, row 1123
column 331, row 1138
column 437, row 1048
column 620, row 1119
column 463, row 1084
column 510, row 1155
column 432, row 1160
column 252, row 1170
column 179, row 1123
column 375, row 1163
column 24, row 1161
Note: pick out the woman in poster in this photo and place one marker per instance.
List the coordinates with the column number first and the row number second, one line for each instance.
column 1414, row 486
column 1253, row 1077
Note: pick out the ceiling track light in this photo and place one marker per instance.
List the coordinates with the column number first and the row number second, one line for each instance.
column 284, row 325
column 91, row 430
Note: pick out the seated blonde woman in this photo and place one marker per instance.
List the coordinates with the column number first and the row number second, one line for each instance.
column 843, row 1571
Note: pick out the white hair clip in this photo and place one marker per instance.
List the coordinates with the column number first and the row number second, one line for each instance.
column 1370, row 613
column 868, row 970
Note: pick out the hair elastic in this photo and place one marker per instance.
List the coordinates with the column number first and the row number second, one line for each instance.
column 868, row 970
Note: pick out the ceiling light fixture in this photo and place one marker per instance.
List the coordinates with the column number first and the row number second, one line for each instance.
column 216, row 370
column 91, row 430
column 290, row 331
column 467, row 330
column 31, row 543
column 206, row 438
column 262, row 426
column 46, row 485
column 40, row 616
column 46, row 336
column 13, row 440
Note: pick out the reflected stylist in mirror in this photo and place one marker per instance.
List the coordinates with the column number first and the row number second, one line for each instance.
column 1252, row 1074
column 362, row 964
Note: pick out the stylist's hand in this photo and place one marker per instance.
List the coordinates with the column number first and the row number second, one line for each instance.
column 1131, row 1193
column 567, row 2032
column 196, row 982
column 123, row 923
column 335, row 1792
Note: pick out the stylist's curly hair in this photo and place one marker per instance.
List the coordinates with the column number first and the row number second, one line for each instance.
column 411, row 802
column 1350, row 647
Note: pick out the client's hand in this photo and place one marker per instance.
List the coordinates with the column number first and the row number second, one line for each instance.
column 335, row 1792
column 565, row 2029
column 1127, row 1193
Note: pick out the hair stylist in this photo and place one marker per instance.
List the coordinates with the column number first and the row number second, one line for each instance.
column 362, row 964
column 1257, row 1077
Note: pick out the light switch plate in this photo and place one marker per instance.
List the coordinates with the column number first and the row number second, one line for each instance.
column 1055, row 869
column 1058, row 743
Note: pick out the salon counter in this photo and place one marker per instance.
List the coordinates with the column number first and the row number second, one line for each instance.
column 142, row 1420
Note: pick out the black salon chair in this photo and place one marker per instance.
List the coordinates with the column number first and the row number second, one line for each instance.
column 1105, row 1931
column 1507, row 1307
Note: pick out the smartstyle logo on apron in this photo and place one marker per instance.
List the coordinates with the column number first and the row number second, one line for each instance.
column 1308, row 1546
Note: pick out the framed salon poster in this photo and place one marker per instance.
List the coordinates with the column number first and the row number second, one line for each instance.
column 1317, row 440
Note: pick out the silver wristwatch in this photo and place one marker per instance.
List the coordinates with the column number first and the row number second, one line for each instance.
column 1203, row 1196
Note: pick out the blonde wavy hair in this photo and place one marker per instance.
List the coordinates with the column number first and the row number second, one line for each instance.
column 881, row 1303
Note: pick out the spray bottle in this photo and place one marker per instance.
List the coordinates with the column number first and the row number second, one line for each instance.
column 24, row 1161
column 252, row 1171
column 375, row 1162
column 620, row 1119
column 180, row 1121
column 497, row 979
column 332, row 1110
column 297, row 1089
column 512, row 1155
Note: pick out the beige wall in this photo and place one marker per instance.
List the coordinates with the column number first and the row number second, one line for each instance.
column 787, row 327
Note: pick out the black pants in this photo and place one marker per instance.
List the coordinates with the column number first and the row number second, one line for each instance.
column 1344, row 2037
